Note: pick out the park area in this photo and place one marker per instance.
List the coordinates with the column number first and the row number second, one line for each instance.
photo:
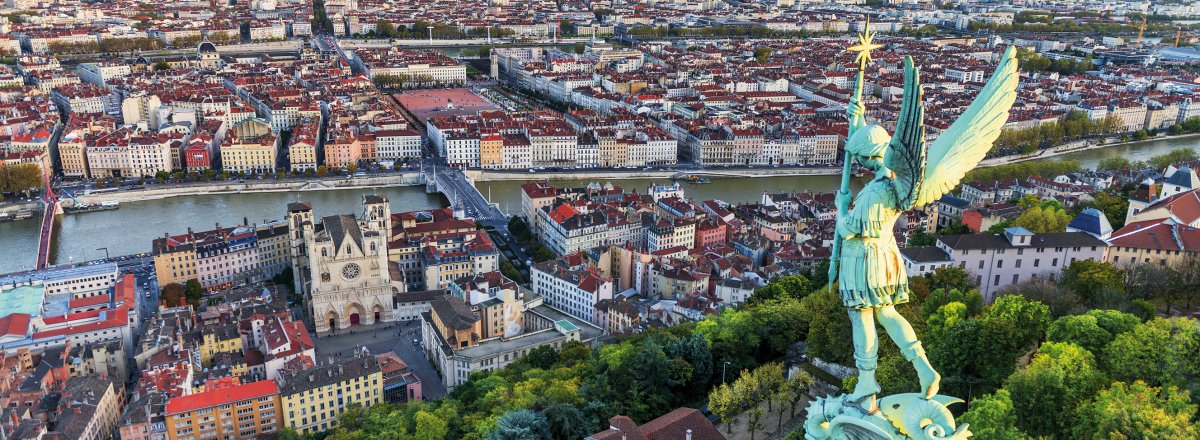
column 425, row 104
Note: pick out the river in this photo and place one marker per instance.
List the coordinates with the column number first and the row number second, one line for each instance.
column 131, row 228
column 732, row 190
column 1133, row 151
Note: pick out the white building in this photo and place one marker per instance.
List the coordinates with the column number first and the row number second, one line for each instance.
column 574, row 289
column 1001, row 260
column 398, row 144
column 100, row 73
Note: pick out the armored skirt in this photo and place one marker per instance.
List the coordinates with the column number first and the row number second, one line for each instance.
column 871, row 271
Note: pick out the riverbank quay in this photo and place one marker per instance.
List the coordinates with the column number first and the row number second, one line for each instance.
column 414, row 178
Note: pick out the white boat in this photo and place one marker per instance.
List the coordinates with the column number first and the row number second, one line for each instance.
column 110, row 204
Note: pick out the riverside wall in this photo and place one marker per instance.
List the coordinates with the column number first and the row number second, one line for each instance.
column 257, row 186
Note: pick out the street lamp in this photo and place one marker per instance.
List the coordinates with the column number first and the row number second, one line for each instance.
column 723, row 367
column 105, row 249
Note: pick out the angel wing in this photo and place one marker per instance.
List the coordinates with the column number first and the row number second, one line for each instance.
column 960, row 148
column 906, row 151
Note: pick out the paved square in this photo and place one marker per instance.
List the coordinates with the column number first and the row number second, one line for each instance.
column 381, row 338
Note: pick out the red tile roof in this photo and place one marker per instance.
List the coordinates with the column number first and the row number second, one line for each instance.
column 1185, row 206
column 221, row 396
column 89, row 301
column 14, row 324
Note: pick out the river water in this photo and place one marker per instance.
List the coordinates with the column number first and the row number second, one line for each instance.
column 130, row 229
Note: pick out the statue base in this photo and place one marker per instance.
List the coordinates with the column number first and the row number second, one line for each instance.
column 906, row 416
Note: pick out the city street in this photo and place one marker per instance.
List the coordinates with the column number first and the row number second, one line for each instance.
column 382, row 338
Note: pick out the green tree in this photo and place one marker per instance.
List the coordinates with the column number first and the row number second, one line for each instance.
column 289, row 433
column 1089, row 279
column 521, row 425
column 519, row 229
column 791, row 287
column 541, row 357
column 510, row 271
column 993, row 417
column 20, row 178
column 1081, row 330
column 566, row 422
column 172, row 295
column 829, row 336
column 1114, row 207
column 1113, row 163
column 193, row 291
column 162, row 65
column 971, row 356
column 921, row 238
column 1129, row 411
column 754, row 420
column 385, row 29
column 770, row 379
column 1027, row 319
column 951, row 278
column 430, row 427
column 797, row 390
column 762, row 54
column 725, row 404
column 1162, row 161
column 540, row 253
column 971, row 299
column 1046, row 393
column 1041, row 220
column 1161, row 352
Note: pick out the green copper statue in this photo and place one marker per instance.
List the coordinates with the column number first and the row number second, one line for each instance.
column 866, row 261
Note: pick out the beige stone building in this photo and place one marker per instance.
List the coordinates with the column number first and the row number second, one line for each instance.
column 1164, row 231
column 89, row 408
column 341, row 265
column 251, row 147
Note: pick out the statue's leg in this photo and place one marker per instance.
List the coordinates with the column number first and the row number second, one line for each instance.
column 902, row 334
column 866, row 355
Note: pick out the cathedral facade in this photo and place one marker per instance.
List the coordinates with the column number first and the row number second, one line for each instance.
column 341, row 266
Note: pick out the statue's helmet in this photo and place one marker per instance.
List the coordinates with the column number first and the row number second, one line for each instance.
column 869, row 141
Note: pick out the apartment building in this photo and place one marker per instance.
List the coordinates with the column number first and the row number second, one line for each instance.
column 222, row 257
column 250, row 147
column 314, row 398
column 234, row 412
column 571, row 286
column 1001, row 260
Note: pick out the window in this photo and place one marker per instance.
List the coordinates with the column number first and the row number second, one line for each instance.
column 1036, row 262
column 1054, row 263
column 981, row 264
column 996, row 282
column 1018, row 263
column 1016, row 277
column 999, row 264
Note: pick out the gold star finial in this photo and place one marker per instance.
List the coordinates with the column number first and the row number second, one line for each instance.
column 866, row 43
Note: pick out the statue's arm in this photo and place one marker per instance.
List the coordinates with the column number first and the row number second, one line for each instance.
column 846, row 228
column 856, row 113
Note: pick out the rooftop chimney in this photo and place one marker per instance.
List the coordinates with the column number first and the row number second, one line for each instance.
column 688, row 436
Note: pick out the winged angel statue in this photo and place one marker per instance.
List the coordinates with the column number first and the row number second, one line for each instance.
column 872, row 279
